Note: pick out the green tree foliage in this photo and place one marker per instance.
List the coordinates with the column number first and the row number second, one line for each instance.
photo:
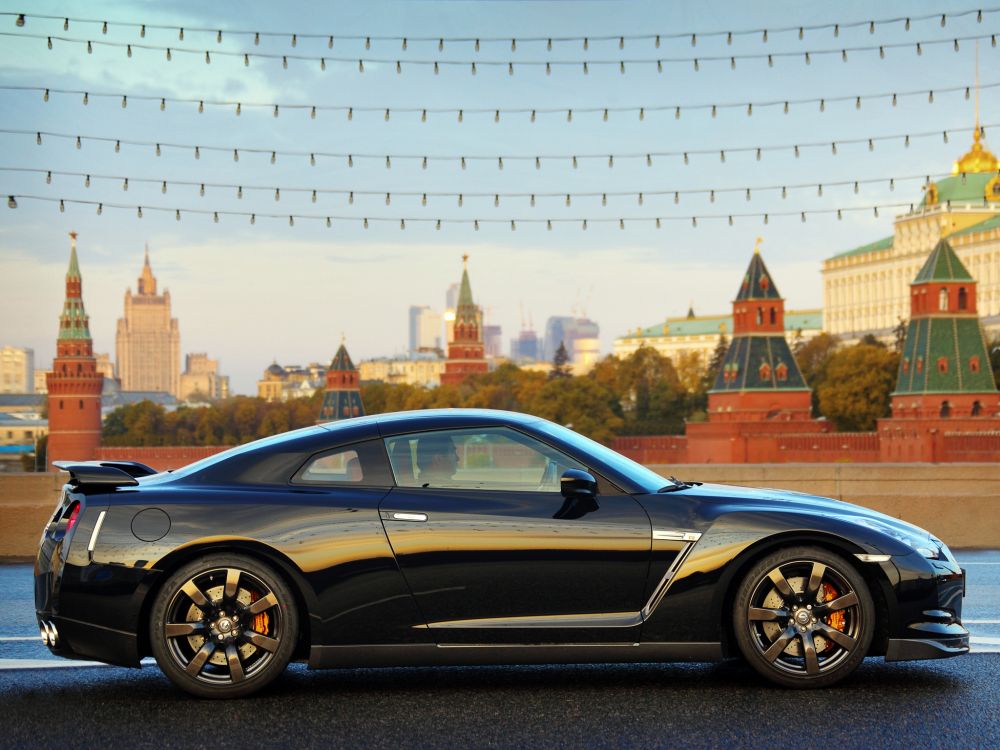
column 579, row 403
column 650, row 396
column 230, row 422
column 857, row 386
column 812, row 357
column 715, row 363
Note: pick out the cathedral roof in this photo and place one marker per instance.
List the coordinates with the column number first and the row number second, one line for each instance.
column 883, row 244
column 342, row 361
column 942, row 265
column 968, row 187
column 465, row 289
column 73, row 272
column 977, row 158
column 757, row 282
column 984, row 226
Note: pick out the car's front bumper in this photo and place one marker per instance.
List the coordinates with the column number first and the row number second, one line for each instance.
column 929, row 616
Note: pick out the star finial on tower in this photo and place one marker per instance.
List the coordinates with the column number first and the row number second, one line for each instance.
column 756, row 247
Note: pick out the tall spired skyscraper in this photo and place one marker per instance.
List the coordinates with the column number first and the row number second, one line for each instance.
column 74, row 385
column 148, row 343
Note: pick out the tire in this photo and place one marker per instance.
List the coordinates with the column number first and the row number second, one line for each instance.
column 223, row 626
column 803, row 617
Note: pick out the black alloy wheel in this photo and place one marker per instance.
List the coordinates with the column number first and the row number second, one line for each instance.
column 223, row 626
column 804, row 617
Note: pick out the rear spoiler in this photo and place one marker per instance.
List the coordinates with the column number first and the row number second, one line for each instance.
column 106, row 473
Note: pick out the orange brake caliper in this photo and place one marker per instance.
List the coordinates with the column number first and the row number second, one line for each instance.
column 837, row 619
column 261, row 622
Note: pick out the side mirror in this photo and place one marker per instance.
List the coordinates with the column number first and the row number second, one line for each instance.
column 576, row 483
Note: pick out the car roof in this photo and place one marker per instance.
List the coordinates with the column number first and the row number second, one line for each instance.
column 395, row 423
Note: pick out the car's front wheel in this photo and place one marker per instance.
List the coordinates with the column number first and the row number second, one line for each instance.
column 223, row 626
column 803, row 617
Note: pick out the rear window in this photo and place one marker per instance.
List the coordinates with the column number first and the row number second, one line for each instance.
column 362, row 464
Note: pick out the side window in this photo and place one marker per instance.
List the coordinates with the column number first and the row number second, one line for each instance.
column 486, row 458
column 361, row 464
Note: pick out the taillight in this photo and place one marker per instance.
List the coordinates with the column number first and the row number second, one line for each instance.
column 74, row 514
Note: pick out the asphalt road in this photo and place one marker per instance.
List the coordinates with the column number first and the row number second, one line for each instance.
column 951, row 703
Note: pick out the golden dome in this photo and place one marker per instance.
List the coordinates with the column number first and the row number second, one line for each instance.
column 977, row 159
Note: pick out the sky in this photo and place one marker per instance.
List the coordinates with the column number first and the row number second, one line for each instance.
column 250, row 293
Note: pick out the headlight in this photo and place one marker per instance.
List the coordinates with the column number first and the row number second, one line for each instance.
column 927, row 546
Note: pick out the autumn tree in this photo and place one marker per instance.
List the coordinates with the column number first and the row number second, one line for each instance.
column 580, row 404
column 858, row 381
column 812, row 358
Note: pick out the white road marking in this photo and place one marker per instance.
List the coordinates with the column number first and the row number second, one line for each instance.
column 60, row 663
column 981, row 622
column 21, row 638
column 988, row 641
column 978, row 563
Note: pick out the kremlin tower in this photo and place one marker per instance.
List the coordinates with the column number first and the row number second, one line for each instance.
column 74, row 384
column 342, row 397
column 466, row 353
column 759, row 379
column 759, row 392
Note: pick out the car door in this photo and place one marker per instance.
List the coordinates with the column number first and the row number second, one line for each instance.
column 492, row 551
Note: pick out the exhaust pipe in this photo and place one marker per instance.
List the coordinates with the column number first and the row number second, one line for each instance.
column 50, row 636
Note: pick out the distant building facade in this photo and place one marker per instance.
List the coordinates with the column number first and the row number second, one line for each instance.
column 493, row 341
column 285, row 383
column 561, row 329
column 867, row 289
column 526, row 347
column 423, row 369
column 201, row 378
column 148, row 342
column 74, row 385
column 17, row 370
column 699, row 335
column 425, row 330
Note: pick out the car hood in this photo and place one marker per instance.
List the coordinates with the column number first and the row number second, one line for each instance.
column 747, row 498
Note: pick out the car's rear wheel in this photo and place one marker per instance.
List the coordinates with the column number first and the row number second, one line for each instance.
column 223, row 626
column 803, row 617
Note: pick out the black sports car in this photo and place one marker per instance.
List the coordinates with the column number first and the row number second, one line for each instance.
column 473, row 537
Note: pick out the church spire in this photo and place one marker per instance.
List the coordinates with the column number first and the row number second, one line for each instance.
column 978, row 159
column 147, row 282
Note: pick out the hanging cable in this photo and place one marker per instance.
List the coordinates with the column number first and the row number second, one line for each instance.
column 238, row 106
column 650, row 157
column 440, row 40
column 13, row 199
column 397, row 64
column 497, row 197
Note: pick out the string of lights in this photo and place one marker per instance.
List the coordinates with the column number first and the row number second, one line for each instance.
column 845, row 54
column 650, row 157
column 293, row 38
column 640, row 196
column 402, row 221
column 501, row 112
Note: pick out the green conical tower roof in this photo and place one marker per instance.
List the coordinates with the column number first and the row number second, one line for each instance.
column 943, row 265
column 466, row 311
column 74, row 322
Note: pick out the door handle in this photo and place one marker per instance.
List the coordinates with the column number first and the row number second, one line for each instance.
column 418, row 517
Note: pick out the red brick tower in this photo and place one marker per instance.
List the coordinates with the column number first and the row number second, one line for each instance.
column 74, row 383
column 945, row 386
column 759, row 393
column 466, row 353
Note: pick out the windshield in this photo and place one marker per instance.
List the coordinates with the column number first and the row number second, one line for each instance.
column 649, row 480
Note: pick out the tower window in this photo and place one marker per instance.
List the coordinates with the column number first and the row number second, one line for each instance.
column 945, row 409
column 760, row 315
column 81, row 403
column 973, row 364
column 774, row 316
column 942, row 365
column 765, row 371
column 943, row 299
column 60, row 403
column 977, row 408
column 963, row 298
